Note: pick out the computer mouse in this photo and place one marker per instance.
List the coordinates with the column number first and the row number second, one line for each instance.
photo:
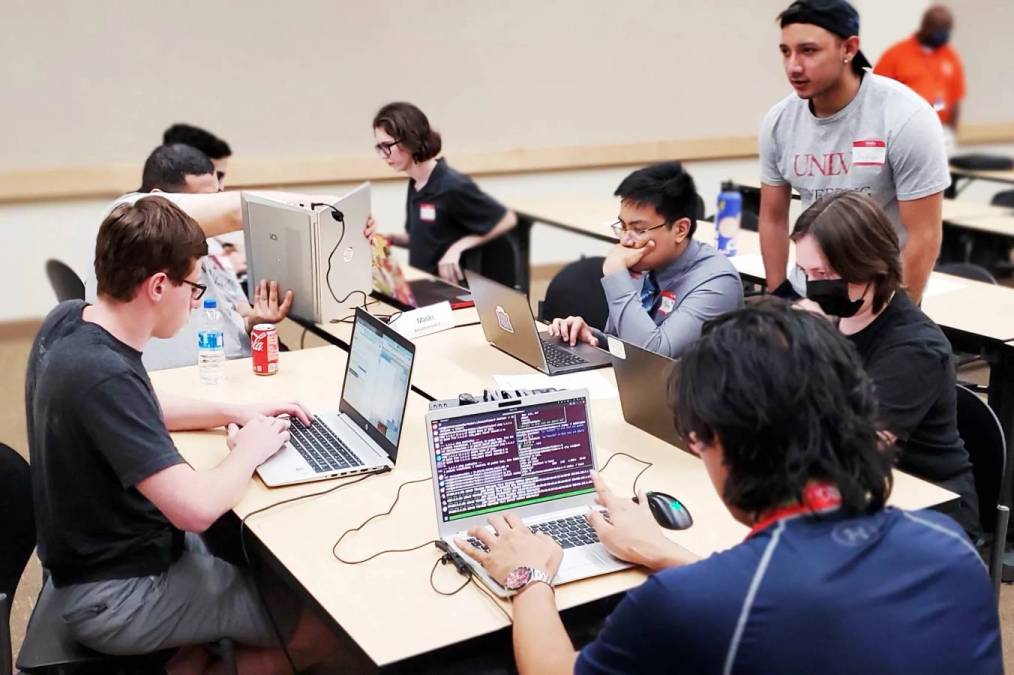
column 668, row 511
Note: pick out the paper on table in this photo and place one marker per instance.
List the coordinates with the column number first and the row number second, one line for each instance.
column 938, row 285
column 598, row 387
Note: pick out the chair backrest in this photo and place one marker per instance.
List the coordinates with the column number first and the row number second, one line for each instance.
column 65, row 282
column 576, row 290
column 17, row 519
column 500, row 260
column 983, row 436
column 968, row 270
column 1004, row 198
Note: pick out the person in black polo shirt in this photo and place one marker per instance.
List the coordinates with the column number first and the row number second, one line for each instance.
column 828, row 579
column 446, row 213
column 849, row 252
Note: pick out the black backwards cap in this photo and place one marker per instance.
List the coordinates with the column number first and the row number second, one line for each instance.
column 835, row 16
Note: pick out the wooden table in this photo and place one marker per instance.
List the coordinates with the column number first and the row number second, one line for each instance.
column 972, row 175
column 386, row 606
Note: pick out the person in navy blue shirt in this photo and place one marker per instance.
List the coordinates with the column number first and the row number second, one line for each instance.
column 828, row 580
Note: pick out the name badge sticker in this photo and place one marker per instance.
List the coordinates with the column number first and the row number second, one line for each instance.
column 427, row 212
column 869, row 153
column 668, row 302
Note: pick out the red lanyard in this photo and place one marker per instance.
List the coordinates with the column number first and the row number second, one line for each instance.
column 817, row 498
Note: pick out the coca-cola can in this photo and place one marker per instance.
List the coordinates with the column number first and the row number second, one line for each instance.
column 264, row 346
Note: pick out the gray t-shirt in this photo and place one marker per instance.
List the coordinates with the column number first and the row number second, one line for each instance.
column 887, row 143
column 699, row 285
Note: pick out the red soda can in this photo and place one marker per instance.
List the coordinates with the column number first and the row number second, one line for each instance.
column 264, row 346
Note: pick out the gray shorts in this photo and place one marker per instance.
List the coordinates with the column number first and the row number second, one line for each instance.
column 200, row 599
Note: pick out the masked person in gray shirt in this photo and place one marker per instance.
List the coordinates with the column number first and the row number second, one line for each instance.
column 660, row 284
column 846, row 129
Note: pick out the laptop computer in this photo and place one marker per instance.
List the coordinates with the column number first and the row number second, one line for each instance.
column 315, row 249
column 389, row 282
column 509, row 325
column 642, row 378
column 362, row 435
column 532, row 456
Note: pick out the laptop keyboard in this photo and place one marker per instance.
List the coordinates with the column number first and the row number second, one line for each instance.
column 568, row 532
column 321, row 448
column 558, row 356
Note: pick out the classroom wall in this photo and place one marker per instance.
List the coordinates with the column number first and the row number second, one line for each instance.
column 98, row 81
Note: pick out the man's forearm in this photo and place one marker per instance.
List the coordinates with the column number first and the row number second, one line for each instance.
column 774, row 241
column 917, row 260
column 186, row 414
column 541, row 644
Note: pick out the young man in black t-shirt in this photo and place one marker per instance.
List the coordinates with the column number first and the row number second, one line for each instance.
column 116, row 505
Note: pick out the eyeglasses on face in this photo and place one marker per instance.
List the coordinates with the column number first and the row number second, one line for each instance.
column 196, row 290
column 384, row 149
column 620, row 229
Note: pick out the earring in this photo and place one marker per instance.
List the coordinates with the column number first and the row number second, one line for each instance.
column 846, row 60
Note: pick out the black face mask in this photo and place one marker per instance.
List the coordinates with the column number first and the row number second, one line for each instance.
column 936, row 39
column 833, row 297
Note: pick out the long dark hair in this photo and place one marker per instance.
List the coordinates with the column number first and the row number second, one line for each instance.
column 787, row 397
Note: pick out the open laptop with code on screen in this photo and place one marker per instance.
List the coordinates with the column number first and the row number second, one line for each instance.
column 532, row 456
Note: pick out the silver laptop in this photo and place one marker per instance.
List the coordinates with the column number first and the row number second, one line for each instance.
column 531, row 456
column 316, row 249
column 362, row 435
column 509, row 325
column 642, row 378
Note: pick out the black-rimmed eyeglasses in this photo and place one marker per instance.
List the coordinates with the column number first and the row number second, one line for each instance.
column 197, row 290
column 384, row 149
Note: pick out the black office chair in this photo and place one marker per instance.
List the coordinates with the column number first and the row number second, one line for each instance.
column 576, row 290
column 967, row 270
column 982, row 434
column 48, row 646
column 65, row 282
column 501, row 260
column 18, row 526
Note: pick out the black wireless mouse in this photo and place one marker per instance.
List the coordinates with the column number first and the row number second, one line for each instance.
column 668, row 511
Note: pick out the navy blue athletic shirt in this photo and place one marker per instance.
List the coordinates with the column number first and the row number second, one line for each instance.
column 892, row 592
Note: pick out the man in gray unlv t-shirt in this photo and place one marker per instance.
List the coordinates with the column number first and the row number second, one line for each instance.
column 845, row 128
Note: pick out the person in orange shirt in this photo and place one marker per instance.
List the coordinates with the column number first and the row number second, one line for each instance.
column 930, row 67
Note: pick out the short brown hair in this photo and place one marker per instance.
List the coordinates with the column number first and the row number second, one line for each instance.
column 858, row 241
column 409, row 126
column 140, row 239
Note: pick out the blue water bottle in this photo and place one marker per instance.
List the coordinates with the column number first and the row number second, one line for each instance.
column 730, row 211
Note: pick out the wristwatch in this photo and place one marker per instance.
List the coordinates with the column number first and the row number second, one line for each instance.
column 521, row 577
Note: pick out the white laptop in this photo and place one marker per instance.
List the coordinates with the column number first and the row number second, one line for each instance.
column 531, row 456
column 315, row 249
column 362, row 435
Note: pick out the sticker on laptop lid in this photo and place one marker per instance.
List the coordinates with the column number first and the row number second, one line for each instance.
column 504, row 319
column 616, row 347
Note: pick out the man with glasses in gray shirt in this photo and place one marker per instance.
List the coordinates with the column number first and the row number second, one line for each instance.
column 660, row 284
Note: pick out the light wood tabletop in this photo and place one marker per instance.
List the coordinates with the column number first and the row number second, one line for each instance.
column 1002, row 176
column 390, row 596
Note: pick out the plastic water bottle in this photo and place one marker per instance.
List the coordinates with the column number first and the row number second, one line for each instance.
column 210, row 346
column 730, row 211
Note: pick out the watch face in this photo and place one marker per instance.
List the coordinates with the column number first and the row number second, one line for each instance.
column 518, row 577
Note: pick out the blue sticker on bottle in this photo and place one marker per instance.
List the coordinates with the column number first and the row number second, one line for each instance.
column 209, row 339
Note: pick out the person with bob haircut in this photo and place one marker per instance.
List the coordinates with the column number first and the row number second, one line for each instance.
column 660, row 284
column 848, row 251
column 446, row 213
column 828, row 580
column 118, row 509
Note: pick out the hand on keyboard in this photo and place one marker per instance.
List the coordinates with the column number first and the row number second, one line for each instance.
column 260, row 438
column 511, row 545
column 573, row 329
column 631, row 533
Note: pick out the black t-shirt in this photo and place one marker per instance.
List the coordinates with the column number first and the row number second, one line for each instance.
column 449, row 207
column 909, row 360
column 95, row 430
